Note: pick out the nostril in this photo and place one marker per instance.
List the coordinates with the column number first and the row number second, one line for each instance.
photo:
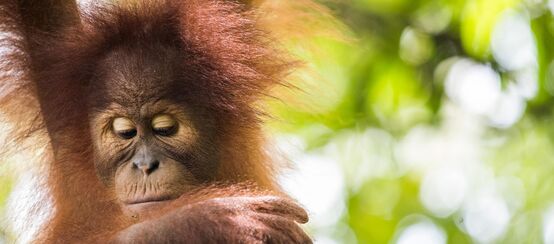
column 147, row 167
column 154, row 165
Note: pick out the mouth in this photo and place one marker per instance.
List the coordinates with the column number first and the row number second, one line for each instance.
column 147, row 199
column 146, row 203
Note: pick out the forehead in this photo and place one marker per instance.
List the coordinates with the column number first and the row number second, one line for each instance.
column 132, row 76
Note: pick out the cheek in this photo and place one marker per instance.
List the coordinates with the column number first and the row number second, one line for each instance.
column 106, row 163
column 123, row 180
column 106, row 171
column 200, row 161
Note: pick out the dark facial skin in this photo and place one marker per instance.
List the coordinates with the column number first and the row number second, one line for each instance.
column 150, row 147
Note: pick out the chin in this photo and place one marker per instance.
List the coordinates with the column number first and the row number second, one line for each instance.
column 146, row 207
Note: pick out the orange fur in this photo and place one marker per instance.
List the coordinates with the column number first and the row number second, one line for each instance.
column 234, row 64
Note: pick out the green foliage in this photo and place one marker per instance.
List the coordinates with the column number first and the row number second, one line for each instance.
column 492, row 144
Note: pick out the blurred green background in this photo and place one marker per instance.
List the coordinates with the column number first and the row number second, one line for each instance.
column 431, row 121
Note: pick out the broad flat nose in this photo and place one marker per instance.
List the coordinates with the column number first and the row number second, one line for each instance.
column 145, row 161
column 147, row 167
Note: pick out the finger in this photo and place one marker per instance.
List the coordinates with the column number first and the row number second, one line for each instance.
column 274, row 237
column 283, row 207
column 284, row 227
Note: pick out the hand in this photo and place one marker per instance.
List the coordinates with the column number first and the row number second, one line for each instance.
column 239, row 219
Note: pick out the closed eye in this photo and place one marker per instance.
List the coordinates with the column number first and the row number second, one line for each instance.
column 124, row 128
column 164, row 125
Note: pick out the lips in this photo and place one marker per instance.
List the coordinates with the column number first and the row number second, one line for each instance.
column 147, row 199
column 146, row 204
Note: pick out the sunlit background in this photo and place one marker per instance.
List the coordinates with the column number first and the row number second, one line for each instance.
column 423, row 122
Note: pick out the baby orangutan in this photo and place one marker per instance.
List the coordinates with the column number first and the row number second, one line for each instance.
column 148, row 110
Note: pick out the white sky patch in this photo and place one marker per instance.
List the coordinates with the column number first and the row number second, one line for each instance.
column 317, row 183
column 513, row 44
column 443, row 191
column 512, row 190
column 424, row 231
column 510, row 107
column 455, row 144
column 325, row 240
column 526, row 82
column 363, row 155
column 548, row 226
column 486, row 217
column 475, row 87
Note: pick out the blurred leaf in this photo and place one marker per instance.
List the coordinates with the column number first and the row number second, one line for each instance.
column 384, row 6
column 478, row 20
column 542, row 28
column 395, row 97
